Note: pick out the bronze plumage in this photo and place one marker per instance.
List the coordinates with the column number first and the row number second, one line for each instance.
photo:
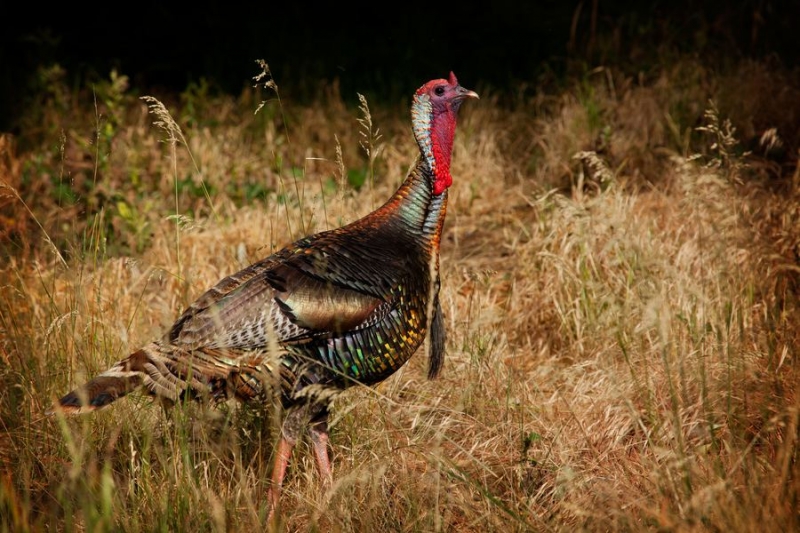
column 345, row 306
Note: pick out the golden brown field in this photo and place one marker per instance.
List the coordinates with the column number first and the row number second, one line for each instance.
column 620, row 283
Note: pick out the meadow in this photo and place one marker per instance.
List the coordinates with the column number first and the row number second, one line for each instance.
column 620, row 277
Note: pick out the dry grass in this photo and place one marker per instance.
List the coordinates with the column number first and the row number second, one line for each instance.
column 623, row 328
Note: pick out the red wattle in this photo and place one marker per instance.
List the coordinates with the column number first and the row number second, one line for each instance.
column 441, row 183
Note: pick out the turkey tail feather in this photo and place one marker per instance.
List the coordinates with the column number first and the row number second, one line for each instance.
column 98, row 393
column 162, row 371
column 122, row 378
column 165, row 371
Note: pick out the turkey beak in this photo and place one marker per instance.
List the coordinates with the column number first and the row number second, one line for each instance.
column 466, row 93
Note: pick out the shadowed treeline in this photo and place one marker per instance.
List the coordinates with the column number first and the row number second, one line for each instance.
column 497, row 43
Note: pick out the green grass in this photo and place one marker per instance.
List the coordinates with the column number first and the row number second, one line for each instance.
column 622, row 325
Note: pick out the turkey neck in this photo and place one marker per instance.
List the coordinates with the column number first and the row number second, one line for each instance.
column 419, row 206
column 414, row 209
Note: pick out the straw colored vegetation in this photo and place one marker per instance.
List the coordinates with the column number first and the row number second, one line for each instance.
column 620, row 285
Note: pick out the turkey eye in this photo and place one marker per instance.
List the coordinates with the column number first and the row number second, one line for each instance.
column 439, row 91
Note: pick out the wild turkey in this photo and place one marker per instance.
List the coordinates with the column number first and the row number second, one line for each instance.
column 337, row 308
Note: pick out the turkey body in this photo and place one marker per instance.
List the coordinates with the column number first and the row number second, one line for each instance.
column 346, row 306
column 335, row 309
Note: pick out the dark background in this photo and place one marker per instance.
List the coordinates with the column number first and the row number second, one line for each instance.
column 390, row 51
